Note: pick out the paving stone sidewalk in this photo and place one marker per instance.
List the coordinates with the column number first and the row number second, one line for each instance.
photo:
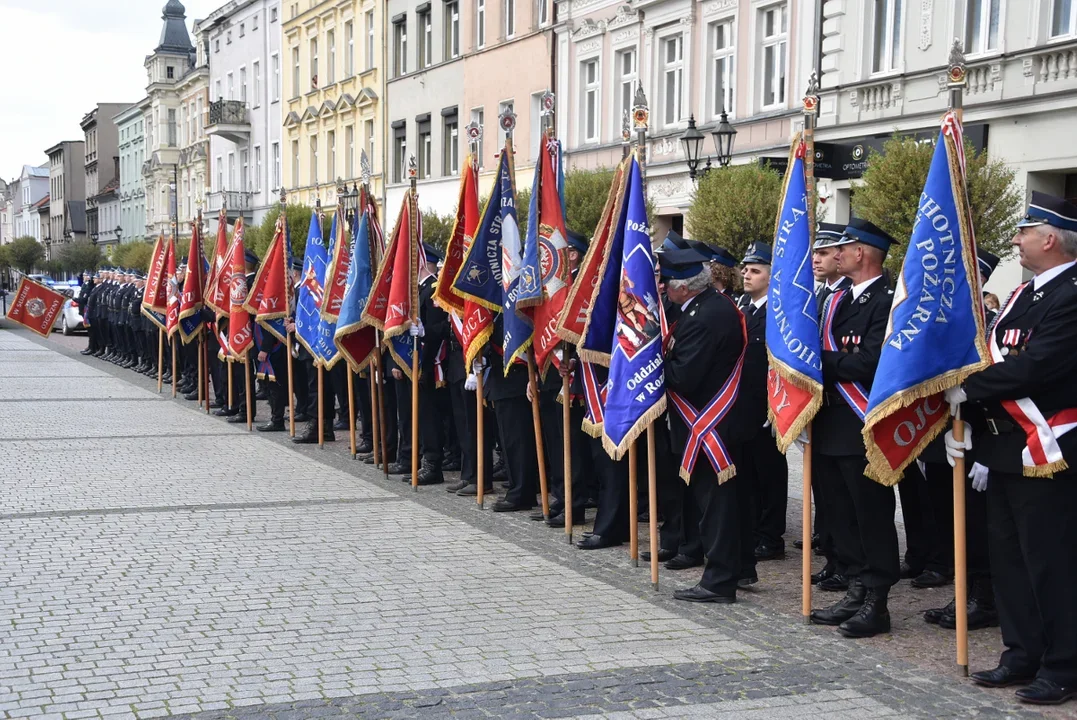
column 155, row 561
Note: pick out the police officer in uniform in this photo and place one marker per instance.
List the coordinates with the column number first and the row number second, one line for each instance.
column 860, row 511
column 1030, row 476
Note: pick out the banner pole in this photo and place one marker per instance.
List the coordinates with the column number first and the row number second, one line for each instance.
column 160, row 358
column 380, row 384
column 536, row 420
column 291, row 385
column 652, row 502
column 247, row 384
column 374, row 439
column 633, row 508
column 174, row 383
column 480, row 442
column 205, row 369
column 321, row 406
column 566, row 413
column 351, row 408
column 200, row 369
column 415, row 413
column 231, row 391
column 805, row 520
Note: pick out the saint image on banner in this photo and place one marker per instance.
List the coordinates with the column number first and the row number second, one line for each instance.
column 638, row 317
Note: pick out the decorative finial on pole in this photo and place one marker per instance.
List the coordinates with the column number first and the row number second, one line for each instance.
column 956, row 76
column 413, row 172
column 507, row 120
column 640, row 115
column 473, row 133
column 548, row 105
column 364, row 168
column 626, row 132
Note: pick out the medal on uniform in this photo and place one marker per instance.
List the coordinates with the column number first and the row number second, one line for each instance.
column 856, row 343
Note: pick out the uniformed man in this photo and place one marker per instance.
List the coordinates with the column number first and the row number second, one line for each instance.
column 515, row 426
column 435, row 326
column 860, row 511
column 90, row 313
column 1026, row 456
column 764, row 470
column 703, row 358
column 83, row 301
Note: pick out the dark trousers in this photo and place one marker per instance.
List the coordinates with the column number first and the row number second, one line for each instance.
column 340, row 389
column 940, row 487
column 517, row 432
column 431, row 427
column 585, row 481
column 277, row 391
column 450, row 437
column 860, row 515
column 365, row 407
column 553, row 439
column 311, row 373
column 921, row 537
column 1032, row 538
column 239, row 385
column 611, row 518
column 466, row 417
column 680, row 518
column 719, row 527
column 765, row 470
column 402, row 390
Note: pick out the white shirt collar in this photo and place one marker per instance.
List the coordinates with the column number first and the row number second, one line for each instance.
column 834, row 285
column 758, row 303
column 1048, row 275
column 859, row 288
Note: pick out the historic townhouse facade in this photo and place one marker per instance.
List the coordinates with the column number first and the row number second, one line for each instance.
column 243, row 43
column 130, row 126
column 333, row 86
column 101, row 140
column 67, row 194
column 883, row 70
column 192, row 167
column 32, row 186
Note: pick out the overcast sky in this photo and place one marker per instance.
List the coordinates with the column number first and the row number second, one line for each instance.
column 62, row 57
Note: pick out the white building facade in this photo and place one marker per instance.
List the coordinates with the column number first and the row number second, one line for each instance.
column 243, row 42
column 131, row 125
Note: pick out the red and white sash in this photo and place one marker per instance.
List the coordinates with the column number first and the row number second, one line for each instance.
column 594, row 399
column 439, row 364
column 1041, row 457
column 853, row 393
column 702, row 424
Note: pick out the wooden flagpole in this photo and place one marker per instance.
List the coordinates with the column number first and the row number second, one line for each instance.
column 380, row 385
column 956, row 84
column 201, row 369
column 566, row 415
column 174, row 383
column 633, row 507
column 652, row 502
column 480, row 441
column 413, row 222
column 810, row 109
column 540, row 446
column 250, row 395
column 321, row 405
column 160, row 358
column 351, row 408
column 231, row 391
column 291, row 385
column 374, row 439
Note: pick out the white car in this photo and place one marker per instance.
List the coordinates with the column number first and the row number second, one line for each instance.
column 70, row 318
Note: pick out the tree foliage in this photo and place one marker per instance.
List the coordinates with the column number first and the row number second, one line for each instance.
column 894, row 180
column 77, row 257
column 735, row 206
column 437, row 228
column 258, row 237
column 134, row 255
column 586, row 192
column 25, row 253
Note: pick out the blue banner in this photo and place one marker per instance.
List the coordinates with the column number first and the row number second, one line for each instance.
column 517, row 331
column 795, row 379
column 479, row 278
column 935, row 337
column 597, row 343
column 636, row 392
column 529, row 290
column 315, row 334
column 360, row 277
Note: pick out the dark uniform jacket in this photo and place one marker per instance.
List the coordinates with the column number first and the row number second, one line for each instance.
column 825, row 292
column 752, row 399
column 836, row 429
column 1042, row 369
column 435, row 328
column 706, row 344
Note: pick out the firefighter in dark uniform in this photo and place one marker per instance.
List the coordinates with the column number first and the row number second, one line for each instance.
column 860, row 511
column 508, row 394
column 435, row 326
column 1026, row 457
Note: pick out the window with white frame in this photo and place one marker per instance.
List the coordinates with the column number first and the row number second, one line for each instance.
column 426, row 38
column 536, row 125
column 349, row 151
column 295, row 163
column 886, row 36
column 243, row 84
column 314, row 63
column 257, row 68
column 1063, row 18
column 508, row 11
column 450, row 145
column 313, row 159
column 426, row 151
column 400, row 47
column 480, row 23
column 369, row 141
column 231, row 171
column 244, row 170
column 627, row 73
column 231, row 86
column 349, row 52
column 672, row 63
column 452, row 30
column 296, row 82
column 331, row 60
column 257, row 184
column 400, row 149
column 477, row 117
column 589, row 107
column 721, row 67
column 331, row 153
column 276, row 165
column 773, row 30
column 276, row 77
column 370, row 39
column 543, row 12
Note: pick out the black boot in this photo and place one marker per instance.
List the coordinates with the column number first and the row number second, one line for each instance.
column 933, row 616
column 844, row 609
column 981, row 608
column 308, row 435
column 430, row 475
column 872, row 619
column 272, row 426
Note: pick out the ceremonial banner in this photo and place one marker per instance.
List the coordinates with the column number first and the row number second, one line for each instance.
column 190, row 308
column 636, row 392
column 270, row 296
column 263, row 369
column 240, row 332
column 463, row 231
column 795, row 376
column 336, row 271
column 517, row 329
column 218, row 291
column 935, row 336
column 479, row 280
column 217, row 294
column 355, row 341
column 155, row 294
column 35, row 306
column 603, row 269
column 573, row 320
column 172, row 289
column 545, row 277
column 394, row 299
column 313, row 331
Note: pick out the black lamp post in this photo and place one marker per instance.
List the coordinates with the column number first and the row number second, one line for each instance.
column 693, row 144
column 724, row 135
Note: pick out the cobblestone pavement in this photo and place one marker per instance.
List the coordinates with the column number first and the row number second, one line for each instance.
column 156, row 561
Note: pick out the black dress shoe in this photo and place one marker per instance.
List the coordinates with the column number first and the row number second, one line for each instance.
column 399, row 468
column 261, row 395
column 746, row 582
column 908, row 571
column 1046, row 692
column 499, row 472
column 430, row 476
column 683, row 562
column 538, row 516
column 186, row 388
column 981, row 614
column 302, row 417
column 835, row 583
column 663, row 555
column 341, row 424
column 506, row 506
column 238, row 418
column 702, row 595
column 558, row 520
column 931, row 579
column 215, row 404
column 872, row 619
column 932, row 616
column 87, row 351
column 226, row 412
column 191, row 395
column 595, row 542
column 271, row 426
column 1001, row 677
column 769, row 552
column 827, row 571
column 843, row 609
column 472, row 490
column 307, row 435
column 454, row 487
column 364, row 447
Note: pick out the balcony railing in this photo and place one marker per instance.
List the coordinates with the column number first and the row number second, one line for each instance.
column 236, row 201
column 228, row 112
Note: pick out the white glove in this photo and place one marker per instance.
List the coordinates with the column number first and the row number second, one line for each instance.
column 472, row 383
column 955, row 449
column 979, row 477
column 954, row 397
column 416, row 329
column 802, row 441
column 477, row 365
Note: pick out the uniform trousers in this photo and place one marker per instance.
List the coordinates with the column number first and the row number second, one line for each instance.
column 311, row 373
column 517, row 433
column 402, row 390
column 277, row 391
column 431, row 426
column 340, row 387
column 680, row 518
column 764, row 468
column 860, row 516
column 1032, row 538
column 466, row 417
column 553, row 439
column 921, row 525
column 940, row 485
column 719, row 527
column 611, row 518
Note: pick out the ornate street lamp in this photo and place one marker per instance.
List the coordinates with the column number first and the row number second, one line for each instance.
column 693, row 144
column 724, row 135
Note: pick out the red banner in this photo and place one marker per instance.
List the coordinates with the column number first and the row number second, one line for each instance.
column 234, row 279
column 897, row 436
column 191, row 296
column 35, row 306
column 155, row 294
column 463, row 231
column 270, row 294
column 217, row 296
column 172, row 290
column 394, row 299
column 336, row 269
